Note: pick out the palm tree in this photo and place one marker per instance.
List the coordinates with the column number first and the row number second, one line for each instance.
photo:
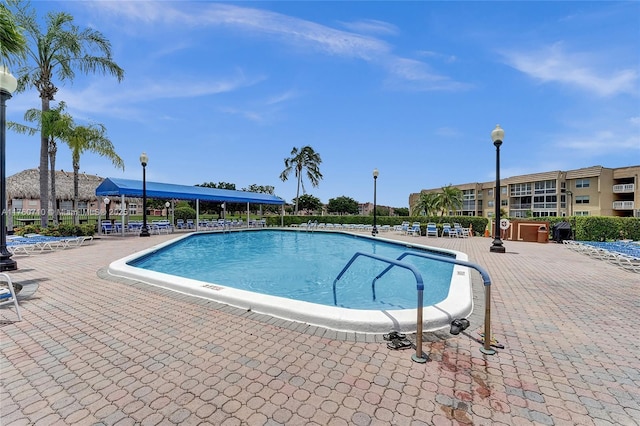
column 91, row 138
column 12, row 41
column 61, row 49
column 54, row 124
column 304, row 158
column 450, row 199
column 428, row 202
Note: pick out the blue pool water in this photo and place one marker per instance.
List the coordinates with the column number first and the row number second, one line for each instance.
column 629, row 248
column 302, row 266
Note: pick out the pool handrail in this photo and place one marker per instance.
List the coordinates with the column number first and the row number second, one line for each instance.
column 418, row 356
column 392, row 263
column 486, row 349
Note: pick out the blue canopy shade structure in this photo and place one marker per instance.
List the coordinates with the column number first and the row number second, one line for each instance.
column 133, row 188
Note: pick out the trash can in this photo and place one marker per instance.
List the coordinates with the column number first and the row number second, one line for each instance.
column 543, row 234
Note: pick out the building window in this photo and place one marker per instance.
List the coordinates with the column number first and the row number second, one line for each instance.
column 16, row 205
column 490, row 193
column 520, row 189
column 581, row 213
column 504, row 202
column 582, row 183
column 545, row 187
column 582, row 199
column 133, row 208
column 490, row 203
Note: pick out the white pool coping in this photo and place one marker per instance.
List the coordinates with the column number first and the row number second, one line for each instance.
column 458, row 304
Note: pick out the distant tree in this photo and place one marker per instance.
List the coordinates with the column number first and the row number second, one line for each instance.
column 61, row 49
column 263, row 189
column 304, row 159
column 266, row 189
column 309, row 202
column 381, row 211
column 54, row 124
column 428, row 204
column 92, row 138
column 401, row 211
column 212, row 206
column 450, row 199
column 343, row 205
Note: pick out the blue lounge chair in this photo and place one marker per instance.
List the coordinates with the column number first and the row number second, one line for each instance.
column 432, row 230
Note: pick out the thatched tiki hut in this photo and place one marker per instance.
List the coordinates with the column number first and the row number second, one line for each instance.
column 23, row 194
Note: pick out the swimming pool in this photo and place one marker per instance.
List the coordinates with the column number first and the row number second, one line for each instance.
column 311, row 261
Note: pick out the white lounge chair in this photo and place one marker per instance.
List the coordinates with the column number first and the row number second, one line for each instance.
column 432, row 230
column 414, row 230
column 8, row 295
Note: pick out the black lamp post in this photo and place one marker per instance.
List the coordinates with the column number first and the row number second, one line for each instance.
column 8, row 84
column 374, row 231
column 167, row 205
column 497, row 135
column 144, row 232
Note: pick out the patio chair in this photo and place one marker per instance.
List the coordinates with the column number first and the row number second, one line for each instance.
column 415, row 229
column 107, row 228
column 8, row 295
column 432, row 230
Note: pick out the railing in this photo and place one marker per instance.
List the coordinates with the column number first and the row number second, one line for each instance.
column 624, row 187
column 623, row 205
column 418, row 356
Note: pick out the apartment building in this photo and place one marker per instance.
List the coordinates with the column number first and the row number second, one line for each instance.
column 590, row 191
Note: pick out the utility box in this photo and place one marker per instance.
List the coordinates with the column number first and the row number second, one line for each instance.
column 543, row 234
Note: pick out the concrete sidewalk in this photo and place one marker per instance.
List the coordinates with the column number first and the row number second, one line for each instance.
column 99, row 351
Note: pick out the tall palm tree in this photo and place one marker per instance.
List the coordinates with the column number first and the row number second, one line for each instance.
column 91, row 138
column 301, row 159
column 450, row 199
column 12, row 41
column 54, row 124
column 428, row 202
column 61, row 49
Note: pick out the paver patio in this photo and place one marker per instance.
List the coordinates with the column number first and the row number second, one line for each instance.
column 92, row 350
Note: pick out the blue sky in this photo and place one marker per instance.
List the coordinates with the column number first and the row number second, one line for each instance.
column 224, row 91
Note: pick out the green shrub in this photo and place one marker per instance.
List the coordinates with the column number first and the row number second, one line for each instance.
column 184, row 213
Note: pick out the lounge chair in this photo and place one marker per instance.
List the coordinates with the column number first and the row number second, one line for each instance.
column 106, row 226
column 446, row 229
column 415, row 229
column 432, row 230
column 8, row 295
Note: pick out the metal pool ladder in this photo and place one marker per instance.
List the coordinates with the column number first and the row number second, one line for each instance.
column 419, row 356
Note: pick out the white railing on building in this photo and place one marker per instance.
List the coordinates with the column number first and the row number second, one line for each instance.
column 626, row 187
column 623, row 205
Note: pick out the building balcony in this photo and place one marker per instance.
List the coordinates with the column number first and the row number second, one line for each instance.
column 623, row 205
column 625, row 187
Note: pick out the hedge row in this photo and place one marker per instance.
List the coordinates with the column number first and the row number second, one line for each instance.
column 477, row 223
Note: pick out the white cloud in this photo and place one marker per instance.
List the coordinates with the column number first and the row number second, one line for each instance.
column 554, row 64
column 371, row 26
column 289, row 30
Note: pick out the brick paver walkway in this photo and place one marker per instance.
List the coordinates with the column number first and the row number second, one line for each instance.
column 97, row 351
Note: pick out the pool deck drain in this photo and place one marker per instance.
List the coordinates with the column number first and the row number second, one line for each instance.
column 92, row 350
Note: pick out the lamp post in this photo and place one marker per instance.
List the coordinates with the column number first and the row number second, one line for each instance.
column 167, row 205
column 374, row 231
column 497, row 135
column 106, row 207
column 8, row 84
column 144, row 232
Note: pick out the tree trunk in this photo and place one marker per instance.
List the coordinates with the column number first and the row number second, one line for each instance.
column 44, row 172
column 52, row 160
column 298, row 193
column 76, row 191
